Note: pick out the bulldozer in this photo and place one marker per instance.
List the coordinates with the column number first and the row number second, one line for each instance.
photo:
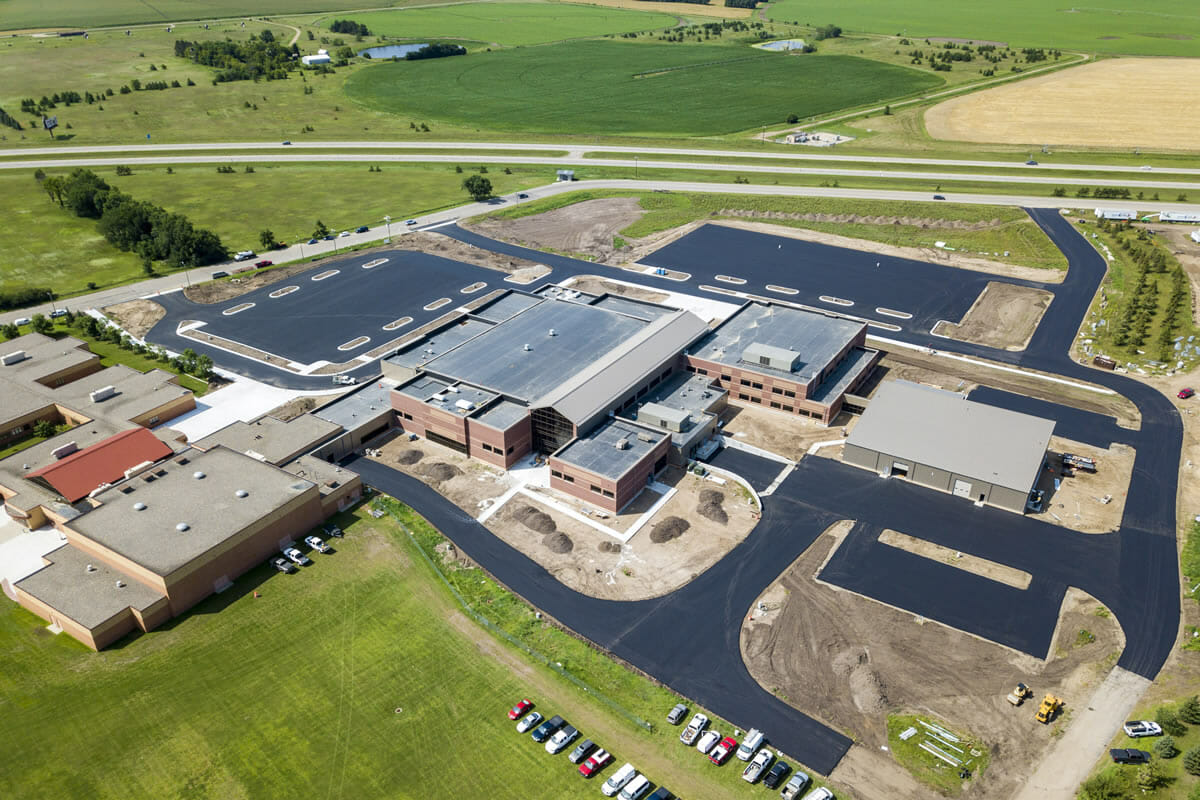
column 1019, row 694
column 1050, row 706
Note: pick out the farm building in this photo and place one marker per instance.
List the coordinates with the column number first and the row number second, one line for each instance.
column 322, row 57
column 1116, row 213
column 944, row 441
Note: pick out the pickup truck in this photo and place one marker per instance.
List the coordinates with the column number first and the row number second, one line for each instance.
column 795, row 786
column 543, row 731
column 694, row 729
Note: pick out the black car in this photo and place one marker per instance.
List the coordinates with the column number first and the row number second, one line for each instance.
column 329, row 237
column 776, row 774
column 939, row 197
column 1130, row 756
column 361, row 229
column 522, row 196
column 333, row 530
column 661, row 793
column 581, row 752
column 547, row 728
column 283, row 565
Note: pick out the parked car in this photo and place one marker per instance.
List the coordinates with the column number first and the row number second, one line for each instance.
column 661, row 793
column 820, row 793
column 676, row 714
column 520, row 708
column 266, row 262
column 721, row 752
column 23, row 321
column 707, row 740
column 547, row 728
column 287, row 141
column 314, row 240
column 594, row 763
column 244, row 255
column 581, row 751
column 361, row 229
column 343, row 234
column 282, row 564
column 776, row 774
column 318, row 544
column 410, row 222
column 938, row 197
column 1185, row 393
column 750, row 744
column 636, row 788
column 219, row 274
column 563, row 737
column 345, row 380
column 1031, row 163
column 616, row 782
column 1142, row 727
column 694, row 729
column 333, row 530
column 522, row 196
column 329, row 237
column 795, row 786
column 530, row 720
column 296, row 557
column 754, row 770
column 1129, row 756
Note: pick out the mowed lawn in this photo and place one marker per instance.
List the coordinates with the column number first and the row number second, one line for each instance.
column 623, row 87
column 1165, row 28
column 507, row 23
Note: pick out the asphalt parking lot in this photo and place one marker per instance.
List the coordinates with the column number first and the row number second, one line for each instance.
column 759, row 472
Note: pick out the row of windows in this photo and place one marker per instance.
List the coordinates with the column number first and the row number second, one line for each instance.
column 562, row 476
column 598, row 490
column 749, row 398
column 788, row 409
column 750, row 384
column 498, row 450
column 777, row 390
column 405, row 415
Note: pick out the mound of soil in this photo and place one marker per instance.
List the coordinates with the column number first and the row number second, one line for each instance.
column 609, row 547
column 558, row 542
column 409, row 456
column 711, row 506
column 440, row 471
column 670, row 528
column 535, row 520
column 866, row 687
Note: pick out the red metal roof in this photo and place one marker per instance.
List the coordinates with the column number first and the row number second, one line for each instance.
column 80, row 473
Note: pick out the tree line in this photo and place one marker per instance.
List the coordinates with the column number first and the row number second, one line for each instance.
column 259, row 58
column 436, row 51
column 349, row 26
column 152, row 232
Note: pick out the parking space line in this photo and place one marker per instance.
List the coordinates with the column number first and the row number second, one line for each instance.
column 730, row 279
column 782, row 289
column 239, row 308
column 473, row 288
column 887, row 326
column 374, row 263
column 887, row 312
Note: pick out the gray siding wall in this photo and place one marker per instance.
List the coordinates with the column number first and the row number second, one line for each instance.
column 860, row 456
column 934, row 478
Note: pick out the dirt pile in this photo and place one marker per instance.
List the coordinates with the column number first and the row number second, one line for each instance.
column 670, row 528
column 711, row 506
column 557, row 542
column 409, row 457
column 866, row 687
column 537, row 521
column 609, row 547
column 590, row 227
column 440, row 472
column 136, row 317
column 916, row 222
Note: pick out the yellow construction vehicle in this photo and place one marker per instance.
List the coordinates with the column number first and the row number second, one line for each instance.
column 1050, row 706
column 1018, row 695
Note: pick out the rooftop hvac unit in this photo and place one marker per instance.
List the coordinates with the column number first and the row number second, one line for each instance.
column 136, row 468
column 452, row 389
column 527, row 348
column 103, row 393
column 65, row 450
column 12, row 358
column 645, row 437
column 553, row 332
column 464, row 405
column 621, row 444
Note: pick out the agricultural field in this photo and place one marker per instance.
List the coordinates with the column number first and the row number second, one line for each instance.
column 1168, row 28
column 510, row 24
column 714, row 89
column 1072, row 107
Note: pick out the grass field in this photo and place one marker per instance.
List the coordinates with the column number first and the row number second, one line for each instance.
column 358, row 677
column 1122, row 779
column 1167, row 28
column 925, row 767
column 506, row 23
column 619, row 87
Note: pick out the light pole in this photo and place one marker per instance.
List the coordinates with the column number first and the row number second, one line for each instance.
column 635, row 166
column 387, row 221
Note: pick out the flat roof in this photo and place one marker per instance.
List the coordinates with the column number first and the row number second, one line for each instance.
column 461, row 399
column 502, row 415
column 814, row 338
column 423, row 387
column 634, row 308
column 597, row 452
column 439, row 342
column 835, row 383
column 946, row 430
column 89, row 598
column 172, row 495
column 136, row 392
column 359, row 406
column 273, row 439
column 496, row 359
column 18, row 400
column 690, row 394
column 506, row 306
column 43, row 356
column 328, row 477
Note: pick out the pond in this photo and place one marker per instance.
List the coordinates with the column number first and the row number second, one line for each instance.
column 783, row 44
column 391, row 50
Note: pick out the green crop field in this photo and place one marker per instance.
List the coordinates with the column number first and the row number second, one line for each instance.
column 507, row 23
column 1139, row 27
column 623, row 87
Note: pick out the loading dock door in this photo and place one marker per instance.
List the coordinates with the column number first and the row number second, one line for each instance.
column 899, row 470
column 962, row 489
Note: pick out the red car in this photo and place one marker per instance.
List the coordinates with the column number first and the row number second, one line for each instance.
column 722, row 750
column 1184, row 394
column 264, row 263
column 520, row 709
column 595, row 763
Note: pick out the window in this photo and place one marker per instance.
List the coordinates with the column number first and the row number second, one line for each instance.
column 690, row 368
column 756, row 400
column 568, row 478
column 788, row 409
column 16, row 430
column 662, row 423
column 701, row 371
column 642, row 391
column 607, row 493
column 488, row 447
column 597, row 489
column 507, row 452
column 726, row 378
column 555, row 473
column 744, row 382
column 775, row 405
column 776, row 390
column 756, row 385
column 152, row 421
column 743, row 397
column 789, row 394
column 406, row 415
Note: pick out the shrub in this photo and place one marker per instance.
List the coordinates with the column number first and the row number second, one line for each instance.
column 1189, row 710
column 1191, row 761
column 1166, row 748
column 1169, row 721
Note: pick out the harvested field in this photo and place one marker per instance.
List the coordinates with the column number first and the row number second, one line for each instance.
column 1063, row 108
column 136, row 317
column 807, row 647
column 668, row 530
column 711, row 506
column 586, row 228
column 1003, row 316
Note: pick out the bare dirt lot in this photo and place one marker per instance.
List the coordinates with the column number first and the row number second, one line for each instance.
column 294, row 408
column 136, row 317
column 1080, row 502
column 851, row 661
column 471, row 485
column 597, row 285
column 964, row 561
column 783, row 434
column 586, row 228
column 1063, row 108
column 1004, row 315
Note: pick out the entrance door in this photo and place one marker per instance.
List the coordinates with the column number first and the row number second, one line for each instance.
column 962, row 489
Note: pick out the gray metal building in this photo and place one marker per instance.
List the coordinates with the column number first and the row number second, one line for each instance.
column 944, row 441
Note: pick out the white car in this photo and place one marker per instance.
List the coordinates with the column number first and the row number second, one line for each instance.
column 693, row 730
column 755, row 769
column 527, row 724
column 343, row 234
column 23, row 321
column 707, row 741
column 410, row 222
column 1144, row 727
column 296, row 557
column 819, row 793
column 316, row 543
column 616, row 782
column 58, row 312
column 561, row 739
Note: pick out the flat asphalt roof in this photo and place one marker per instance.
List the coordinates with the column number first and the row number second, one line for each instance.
column 506, row 306
column 688, row 394
column 43, row 356
column 502, row 415
column 423, row 387
column 273, row 439
column 439, row 342
column 358, row 406
column 136, row 392
column 462, row 399
column 172, row 495
column 18, row 400
column 836, row 382
column 598, row 453
column 815, row 338
column 496, row 359
column 89, row 598
column 634, row 308
column 947, row 431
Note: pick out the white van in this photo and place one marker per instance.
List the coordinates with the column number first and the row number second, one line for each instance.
column 616, row 782
column 750, row 744
column 636, row 788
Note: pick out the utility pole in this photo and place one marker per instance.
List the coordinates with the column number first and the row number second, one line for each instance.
column 387, row 221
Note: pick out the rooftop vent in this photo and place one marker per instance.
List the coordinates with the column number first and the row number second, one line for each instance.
column 8, row 359
column 183, row 526
column 102, row 394
column 91, row 568
column 452, row 389
column 527, row 348
column 621, row 444
column 553, row 332
column 120, row 584
column 241, row 493
column 139, row 506
column 645, row 437
column 64, row 450
column 464, row 405
column 198, row 475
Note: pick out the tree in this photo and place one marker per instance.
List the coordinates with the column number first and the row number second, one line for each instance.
column 267, row 238
column 792, row 119
column 479, row 187
column 1152, row 776
column 1169, row 721
column 39, row 324
column 203, row 367
column 1166, row 747
column 320, row 230
column 1106, row 786
column 1189, row 710
column 1191, row 761
column 9, row 331
column 44, row 429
